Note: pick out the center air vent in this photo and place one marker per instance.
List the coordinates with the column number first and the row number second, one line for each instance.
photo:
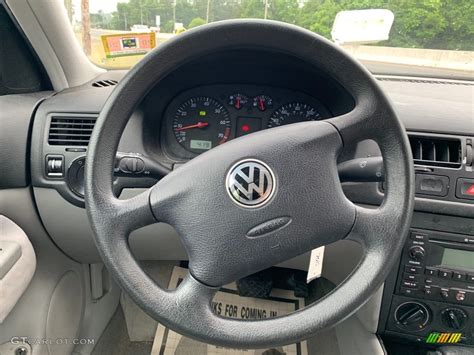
column 104, row 83
column 70, row 130
column 435, row 151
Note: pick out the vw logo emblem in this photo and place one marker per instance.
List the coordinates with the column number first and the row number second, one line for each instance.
column 250, row 183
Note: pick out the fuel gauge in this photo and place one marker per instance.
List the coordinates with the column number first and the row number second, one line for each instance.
column 262, row 102
column 238, row 100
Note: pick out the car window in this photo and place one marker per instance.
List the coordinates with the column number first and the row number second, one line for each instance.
column 387, row 35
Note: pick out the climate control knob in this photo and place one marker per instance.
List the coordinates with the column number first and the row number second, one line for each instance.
column 454, row 318
column 416, row 252
column 412, row 316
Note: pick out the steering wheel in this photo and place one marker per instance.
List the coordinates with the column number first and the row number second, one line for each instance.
column 274, row 195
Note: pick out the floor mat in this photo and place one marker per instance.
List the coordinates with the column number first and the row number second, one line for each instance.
column 229, row 304
column 115, row 340
column 140, row 326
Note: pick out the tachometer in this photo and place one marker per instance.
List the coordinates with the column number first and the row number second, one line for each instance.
column 292, row 113
column 201, row 123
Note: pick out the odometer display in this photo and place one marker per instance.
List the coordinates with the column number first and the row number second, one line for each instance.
column 201, row 123
column 292, row 113
column 201, row 145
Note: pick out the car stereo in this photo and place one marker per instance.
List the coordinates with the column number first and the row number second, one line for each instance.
column 438, row 266
column 434, row 290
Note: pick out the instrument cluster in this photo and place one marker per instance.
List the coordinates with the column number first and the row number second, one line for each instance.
column 202, row 118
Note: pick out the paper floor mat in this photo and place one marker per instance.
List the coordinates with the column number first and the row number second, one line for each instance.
column 228, row 303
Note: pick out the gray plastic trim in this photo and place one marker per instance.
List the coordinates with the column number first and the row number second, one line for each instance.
column 70, row 229
column 16, row 115
column 47, row 27
column 28, row 317
column 17, row 264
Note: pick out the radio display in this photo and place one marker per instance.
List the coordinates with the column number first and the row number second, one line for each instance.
column 458, row 258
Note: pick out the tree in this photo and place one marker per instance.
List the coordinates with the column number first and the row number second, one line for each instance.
column 284, row 10
column 69, row 10
column 186, row 11
column 252, row 9
column 443, row 24
column 196, row 22
column 459, row 31
column 225, row 9
column 417, row 23
column 100, row 20
column 318, row 16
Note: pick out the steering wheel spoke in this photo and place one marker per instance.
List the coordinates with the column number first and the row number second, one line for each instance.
column 124, row 216
column 359, row 124
column 135, row 212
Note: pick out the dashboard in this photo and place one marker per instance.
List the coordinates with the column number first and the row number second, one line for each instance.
column 263, row 90
column 193, row 111
column 204, row 117
column 217, row 98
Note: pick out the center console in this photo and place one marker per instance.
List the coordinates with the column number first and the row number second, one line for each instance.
column 434, row 289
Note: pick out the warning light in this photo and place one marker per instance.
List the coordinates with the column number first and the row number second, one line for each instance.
column 248, row 125
column 202, row 113
column 470, row 190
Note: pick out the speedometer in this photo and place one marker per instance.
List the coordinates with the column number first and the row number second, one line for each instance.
column 292, row 113
column 201, row 123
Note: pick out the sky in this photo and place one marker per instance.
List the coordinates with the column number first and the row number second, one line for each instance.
column 107, row 6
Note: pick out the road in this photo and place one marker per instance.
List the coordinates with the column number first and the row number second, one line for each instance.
column 404, row 69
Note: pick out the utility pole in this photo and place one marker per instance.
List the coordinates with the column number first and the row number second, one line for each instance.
column 141, row 13
column 86, row 27
column 266, row 10
column 207, row 10
column 174, row 14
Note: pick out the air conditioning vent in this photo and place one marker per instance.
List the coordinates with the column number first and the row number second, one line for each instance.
column 104, row 83
column 70, row 130
column 435, row 151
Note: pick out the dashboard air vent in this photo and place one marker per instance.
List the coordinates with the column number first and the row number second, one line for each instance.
column 72, row 130
column 434, row 151
column 104, row 83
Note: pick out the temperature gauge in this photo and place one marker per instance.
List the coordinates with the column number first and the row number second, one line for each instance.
column 262, row 102
column 238, row 100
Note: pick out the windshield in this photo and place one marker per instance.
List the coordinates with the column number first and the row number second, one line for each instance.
column 412, row 37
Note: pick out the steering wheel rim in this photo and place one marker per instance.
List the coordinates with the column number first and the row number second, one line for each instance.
column 187, row 309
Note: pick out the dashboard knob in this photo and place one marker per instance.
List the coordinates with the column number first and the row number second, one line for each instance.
column 75, row 176
column 454, row 318
column 412, row 316
column 416, row 252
